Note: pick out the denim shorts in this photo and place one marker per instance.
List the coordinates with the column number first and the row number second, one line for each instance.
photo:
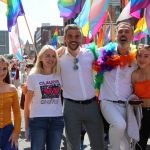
column 4, row 137
column 46, row 131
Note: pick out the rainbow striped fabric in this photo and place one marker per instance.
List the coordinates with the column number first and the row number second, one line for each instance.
column 141, row 30
column 92, row 16
column 54, row 40
column 15, row 9
column 69, row 8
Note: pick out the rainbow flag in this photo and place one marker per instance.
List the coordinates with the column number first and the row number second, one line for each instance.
column 141, row 30
column 54, row 40
column 147, row 15
column 92, row 16
column 69, row 8
column 83, row 18
column 15, row 9
column 138, row 4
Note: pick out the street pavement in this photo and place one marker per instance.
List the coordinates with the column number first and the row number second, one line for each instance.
column 24, row 145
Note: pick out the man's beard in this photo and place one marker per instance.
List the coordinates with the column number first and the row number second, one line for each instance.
column 71, row 47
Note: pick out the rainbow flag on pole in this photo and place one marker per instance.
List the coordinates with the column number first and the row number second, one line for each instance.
column 54, row 40
column 15, row 9
column 141, row 30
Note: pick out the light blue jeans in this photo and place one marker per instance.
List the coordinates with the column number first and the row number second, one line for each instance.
column 46, row 132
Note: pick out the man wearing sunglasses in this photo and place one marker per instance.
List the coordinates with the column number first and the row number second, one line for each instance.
column 80, row 106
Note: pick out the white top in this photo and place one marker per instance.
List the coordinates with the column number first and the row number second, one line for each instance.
column 77, row 84
column 117, row 84
column 46, row 101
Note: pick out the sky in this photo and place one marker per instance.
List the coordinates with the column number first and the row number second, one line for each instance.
column 36, row 13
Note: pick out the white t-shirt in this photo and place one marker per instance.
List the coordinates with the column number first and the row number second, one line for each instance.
column 46, row 101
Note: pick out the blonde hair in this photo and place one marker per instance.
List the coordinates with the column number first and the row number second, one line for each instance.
column 38, row 67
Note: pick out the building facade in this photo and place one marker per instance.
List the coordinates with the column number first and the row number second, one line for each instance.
column 4, row 42
column 44, row 34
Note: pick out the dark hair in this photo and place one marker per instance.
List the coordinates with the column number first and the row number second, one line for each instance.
column 4, row 60
column 71, row 27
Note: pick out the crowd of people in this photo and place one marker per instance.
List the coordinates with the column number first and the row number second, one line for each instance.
column 59, row 93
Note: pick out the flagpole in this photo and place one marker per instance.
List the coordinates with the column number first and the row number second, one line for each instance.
column 30, row 34
column 111, row 23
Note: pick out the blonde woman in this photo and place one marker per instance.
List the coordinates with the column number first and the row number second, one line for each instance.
column 43, row 108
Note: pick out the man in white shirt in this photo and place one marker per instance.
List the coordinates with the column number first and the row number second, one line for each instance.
column 116, row 89
column 80, row 106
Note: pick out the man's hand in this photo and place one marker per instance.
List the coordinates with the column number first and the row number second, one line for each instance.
column 61, row 51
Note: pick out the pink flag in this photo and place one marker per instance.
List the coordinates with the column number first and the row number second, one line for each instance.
column 14, row 38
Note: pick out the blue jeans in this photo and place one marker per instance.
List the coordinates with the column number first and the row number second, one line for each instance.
column 5, row 133
column 46, row 131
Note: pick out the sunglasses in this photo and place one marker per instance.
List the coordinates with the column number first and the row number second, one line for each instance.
column 75, row 61
column 143, row 46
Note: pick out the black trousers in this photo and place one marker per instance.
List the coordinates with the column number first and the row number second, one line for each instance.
column 145, row 130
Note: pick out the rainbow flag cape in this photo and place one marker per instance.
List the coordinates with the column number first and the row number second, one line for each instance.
column 15, row 9
column 141, row 30
column 54, row 40
column 92, row 16
column 69, row 8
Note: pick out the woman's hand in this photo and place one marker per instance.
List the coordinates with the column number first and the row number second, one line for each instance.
column 14, row 139
column 27, row 134
column 134, row 100
column 24, row 88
